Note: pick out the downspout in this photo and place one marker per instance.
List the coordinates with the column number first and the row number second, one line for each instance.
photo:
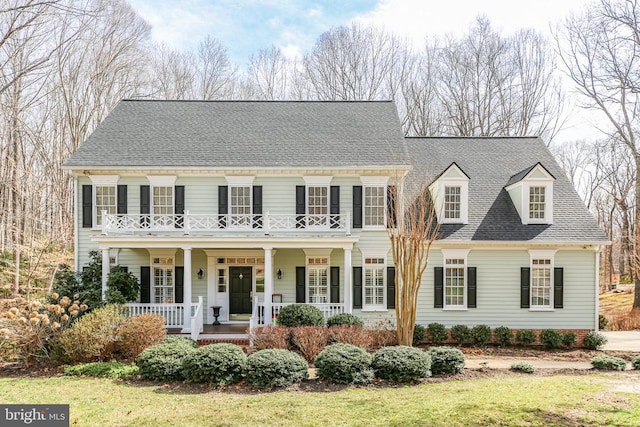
column 597, row 288
column 76, row 262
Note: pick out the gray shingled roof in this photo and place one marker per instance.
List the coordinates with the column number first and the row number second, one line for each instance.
column 490, row 164
column 219, row 134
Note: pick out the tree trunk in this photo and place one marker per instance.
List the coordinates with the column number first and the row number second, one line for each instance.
column 636, row 246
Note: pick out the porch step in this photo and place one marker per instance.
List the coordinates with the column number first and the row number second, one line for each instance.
column 239, row 341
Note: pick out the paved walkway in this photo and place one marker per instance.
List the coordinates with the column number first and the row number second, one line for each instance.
column 622, row 340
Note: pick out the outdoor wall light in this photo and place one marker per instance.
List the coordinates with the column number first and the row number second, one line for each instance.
column 200, row 274
column 279, row 274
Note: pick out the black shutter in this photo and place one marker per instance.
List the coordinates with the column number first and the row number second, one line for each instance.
column 334, row 206
column 357, row 206
column 357, row 287
column 179, row 206
column 301, row 206
column 179, row 288
column 334, row 291
column 525, row 273
column 472, row 287
column 301, row 285
column 223, row 205
column 391, row 287
column 438, row 288
column 87, row 206
column 122, row 200
column 558, row 287
column 257, row 206
column 392, row 196
column 145, row 284
column 145, row 205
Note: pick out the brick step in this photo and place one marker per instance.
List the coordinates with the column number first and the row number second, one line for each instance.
column 239, row 341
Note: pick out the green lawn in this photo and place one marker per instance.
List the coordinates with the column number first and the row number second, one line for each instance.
column 509, row 400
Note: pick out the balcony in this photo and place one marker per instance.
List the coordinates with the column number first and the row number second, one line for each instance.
column 189, row 223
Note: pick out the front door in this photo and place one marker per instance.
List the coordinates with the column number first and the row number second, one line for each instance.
column 240, row 286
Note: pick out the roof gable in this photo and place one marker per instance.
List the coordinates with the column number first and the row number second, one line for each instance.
column 537, row 171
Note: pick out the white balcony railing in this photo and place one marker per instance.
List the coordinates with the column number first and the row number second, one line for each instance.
column 173, row 313
column 258, row 316
column 198, row 223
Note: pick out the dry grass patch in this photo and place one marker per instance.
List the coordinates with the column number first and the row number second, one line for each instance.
column 617, row 308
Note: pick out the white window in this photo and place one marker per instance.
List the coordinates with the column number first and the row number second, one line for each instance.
column 318, row 205
column 541, row 280
column 163, row 280
column 374, row 283
column 536, row 203
column 240, row 206
column 105, row 200
column 163, row 200
column 455, row 280
column 374, row 206
column 318, row 280
column 452, row 202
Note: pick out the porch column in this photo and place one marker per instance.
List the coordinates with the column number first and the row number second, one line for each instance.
column 268, row 284
column 187, row 290
column 348, row 287
column 105, row 272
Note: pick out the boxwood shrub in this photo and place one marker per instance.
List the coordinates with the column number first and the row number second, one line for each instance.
column 461, row 334
column 446, row 360
column 164, row 361
column 594, row 340
column 177, row 339
column 527, row 368
column 401, row 363
column 113, row 369
column 344, row 364
column 419, row 334
column 525, row 337
column 218, row 364
column 551, row 339
column 636, row 362
column 503, row 336
column 437, row 333
column 275, row 368
column 300, row 315
column 345, row 319
column 568, row 339
column 609, row 363
column 481, row 335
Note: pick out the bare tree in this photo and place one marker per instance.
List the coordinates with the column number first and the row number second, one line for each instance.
column 599, row 50
column 215, row 74
column 269, row 74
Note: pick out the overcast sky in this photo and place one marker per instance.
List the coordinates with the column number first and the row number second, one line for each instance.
column 244, row 26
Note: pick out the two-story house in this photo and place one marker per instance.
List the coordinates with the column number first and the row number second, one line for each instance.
column 248, row 206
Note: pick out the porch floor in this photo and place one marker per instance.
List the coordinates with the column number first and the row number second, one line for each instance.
column 222, row 329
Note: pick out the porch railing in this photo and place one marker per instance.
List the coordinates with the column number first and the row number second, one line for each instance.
column 258, row 316
column 197, row 322
column 173, row 313
column 263, row 224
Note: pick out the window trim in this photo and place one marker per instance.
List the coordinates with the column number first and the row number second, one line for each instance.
column 317, row 253
column 542, row 255
column 249, row 223
column 162, row 253
column 548, row 201
column 374, row 253
column 449, row 179
column 455, row 254
column 102, row 181
column 378, row 182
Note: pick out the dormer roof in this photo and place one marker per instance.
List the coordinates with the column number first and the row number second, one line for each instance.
column 529, row 172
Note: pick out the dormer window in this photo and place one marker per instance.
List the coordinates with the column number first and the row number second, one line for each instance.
column 450, row 192
column 531, row 191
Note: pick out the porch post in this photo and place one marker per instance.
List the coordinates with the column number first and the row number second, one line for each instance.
column 187, row 291
column 268, row 284
column 105, row 271
column 348, row 288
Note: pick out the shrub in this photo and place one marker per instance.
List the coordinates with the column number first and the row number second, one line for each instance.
column 383, row 338
column 609, row 363
column 568, row 339
column 527, row 368
column 218, row 364
column 636, row 362
column 164, row 361
column 271, row 337
column 602, row 322
column 401, row 363
column 503, row 336
column 300, row 315
column 594, row 340
column 344, row 364
column 140, row 332
column 437, row 333
column 419, row 334
column 94, row 336
column 115, row 370
column 551, row 338
column 345, row 319
column 526, row 337
column 275, row 368
column 177, row 340
column 461, row 334
column 446, row 360
column 67, row 282
column 122, row 286
column 353, row 335
column 481, row 335
column 309, row 340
